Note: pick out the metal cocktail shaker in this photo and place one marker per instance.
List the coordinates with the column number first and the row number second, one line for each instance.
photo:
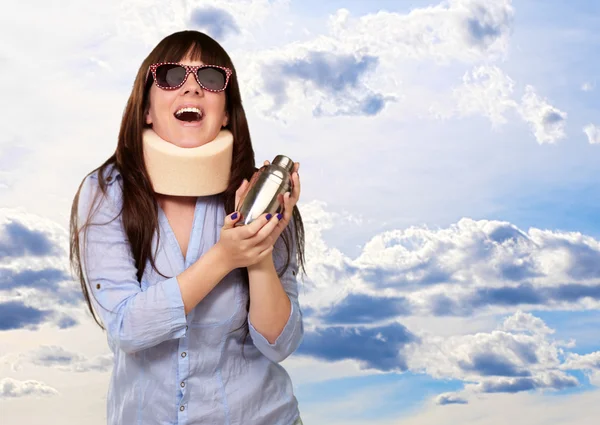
column 264, row 189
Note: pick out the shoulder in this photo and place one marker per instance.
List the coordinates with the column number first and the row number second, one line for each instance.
column 91, row 191
column 109, row 175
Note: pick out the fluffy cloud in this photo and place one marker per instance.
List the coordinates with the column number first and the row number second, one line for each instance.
column 518, row 356
column 478, row 265
column 464, row 30
column 589, row 363
column 486, row 90
column 547, row 122
column 467, row 269
column 18, row 239
column 239, row 18
column 449, row 398
column 61, row 359
column 329, row 71
column 337, row 77
column 11, row 388
column 593, row 133
column 34, row 288
column 377, row 348
column 216, row 22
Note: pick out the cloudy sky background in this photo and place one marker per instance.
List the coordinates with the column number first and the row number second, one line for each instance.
column 449, row 159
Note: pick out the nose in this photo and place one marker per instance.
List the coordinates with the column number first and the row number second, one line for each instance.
column 191, row 85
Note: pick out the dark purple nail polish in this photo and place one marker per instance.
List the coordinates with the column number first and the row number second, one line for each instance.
column 279, row 216
column 234, row 216
column 269, row 216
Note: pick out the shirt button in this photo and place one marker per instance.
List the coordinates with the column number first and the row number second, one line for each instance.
column 182, row 408
column 182, row 384
column 183, row 354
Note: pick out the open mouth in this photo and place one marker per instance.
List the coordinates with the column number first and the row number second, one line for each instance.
column 189, row 114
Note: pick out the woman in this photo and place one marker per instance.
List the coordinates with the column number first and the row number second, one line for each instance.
column 199, row 318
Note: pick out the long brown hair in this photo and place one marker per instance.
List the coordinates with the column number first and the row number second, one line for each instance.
column 140, row 210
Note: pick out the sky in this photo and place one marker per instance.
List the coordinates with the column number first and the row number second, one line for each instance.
column 449, row 154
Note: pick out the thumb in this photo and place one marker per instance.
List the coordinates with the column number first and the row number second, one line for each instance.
column 230, row 220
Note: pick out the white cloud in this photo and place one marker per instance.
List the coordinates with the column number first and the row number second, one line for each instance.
column 464, row 30
column 486, row 90
column 525, row 322
column 61, row 359
column 593, row 133
column 501, row 409
column 499, row 361
column 450, row 398
column 590, row 363
column 547, row 122
column 587, row 86
column 11, row 388
column 149, row 21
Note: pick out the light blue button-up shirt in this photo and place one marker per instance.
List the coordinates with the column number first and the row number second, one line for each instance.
column 170, row 368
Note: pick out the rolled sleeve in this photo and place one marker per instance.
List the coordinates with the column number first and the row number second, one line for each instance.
column 134, row 319
column 286, row 343
column 291, row 336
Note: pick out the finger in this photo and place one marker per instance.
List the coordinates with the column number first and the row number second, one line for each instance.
column 280, row 201
column 266, row 162
column 266, row 231
column 252, row 229
column 289, row 207
column 240, row 192
column 296, row 187
column 230, row 220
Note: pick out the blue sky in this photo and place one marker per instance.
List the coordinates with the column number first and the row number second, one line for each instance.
column 450, row 180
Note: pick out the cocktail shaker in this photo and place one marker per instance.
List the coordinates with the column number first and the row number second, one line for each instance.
column 264, row 189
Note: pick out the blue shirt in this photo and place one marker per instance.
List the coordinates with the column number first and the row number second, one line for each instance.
column 170, row 368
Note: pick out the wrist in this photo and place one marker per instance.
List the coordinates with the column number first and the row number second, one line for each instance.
column 264, row 264
column 221, row 258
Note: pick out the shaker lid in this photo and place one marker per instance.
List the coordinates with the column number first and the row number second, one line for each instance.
column 284, row 162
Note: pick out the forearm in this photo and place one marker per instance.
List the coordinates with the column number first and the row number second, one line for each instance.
column 201, row 277
column 269, row 304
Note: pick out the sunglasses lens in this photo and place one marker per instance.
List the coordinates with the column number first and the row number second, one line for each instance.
column 170, row 75
column 212, row 78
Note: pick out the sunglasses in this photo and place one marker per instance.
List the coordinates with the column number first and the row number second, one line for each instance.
column 170, row 75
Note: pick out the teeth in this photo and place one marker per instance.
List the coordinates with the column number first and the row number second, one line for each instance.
column 182, row 110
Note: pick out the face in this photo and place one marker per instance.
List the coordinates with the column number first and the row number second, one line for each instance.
column 164, row 105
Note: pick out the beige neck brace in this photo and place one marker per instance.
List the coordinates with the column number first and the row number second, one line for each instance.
column 199, row 171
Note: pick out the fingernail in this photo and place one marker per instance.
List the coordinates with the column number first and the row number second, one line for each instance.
column 234, row 216
column 269, row 216
column 279, row 216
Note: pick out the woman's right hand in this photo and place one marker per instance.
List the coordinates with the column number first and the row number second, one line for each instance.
column 247, row 245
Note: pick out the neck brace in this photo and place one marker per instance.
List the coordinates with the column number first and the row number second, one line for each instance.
column 178, row 171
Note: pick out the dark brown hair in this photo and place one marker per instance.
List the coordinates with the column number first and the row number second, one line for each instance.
column 140, row 209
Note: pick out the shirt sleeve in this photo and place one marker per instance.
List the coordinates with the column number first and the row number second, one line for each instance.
column 291, row 336
column 134, row 319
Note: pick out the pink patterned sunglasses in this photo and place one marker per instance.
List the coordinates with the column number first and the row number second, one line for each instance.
column 171, row 75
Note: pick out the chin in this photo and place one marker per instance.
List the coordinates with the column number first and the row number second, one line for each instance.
column 192, row 140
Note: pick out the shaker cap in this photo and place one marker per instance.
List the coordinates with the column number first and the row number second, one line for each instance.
column 284, row 162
